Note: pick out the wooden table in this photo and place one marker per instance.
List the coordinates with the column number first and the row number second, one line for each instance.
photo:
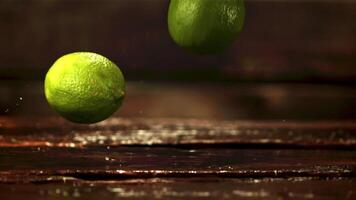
column 184, row 141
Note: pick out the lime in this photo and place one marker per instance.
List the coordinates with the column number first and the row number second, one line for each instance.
column 84, row 87
column 205, row 26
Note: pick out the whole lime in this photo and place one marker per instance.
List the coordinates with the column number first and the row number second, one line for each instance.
column 84, row 87
column 205, row 26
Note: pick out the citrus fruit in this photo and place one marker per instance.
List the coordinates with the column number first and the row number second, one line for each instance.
column 84, row 87
column 205, row 26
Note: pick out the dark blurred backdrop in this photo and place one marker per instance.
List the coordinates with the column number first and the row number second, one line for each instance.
column 284, row 40
column 294, row 60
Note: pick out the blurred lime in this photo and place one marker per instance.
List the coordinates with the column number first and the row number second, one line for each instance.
column 205, row 26
column 84, row 87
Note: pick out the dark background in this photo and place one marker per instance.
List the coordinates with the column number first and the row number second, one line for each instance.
column 294, row 60
column 288, row 40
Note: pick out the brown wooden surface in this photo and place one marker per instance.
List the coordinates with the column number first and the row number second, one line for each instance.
column 95, row 163
column 152, row 149
column 194, row 188
column 42, row 132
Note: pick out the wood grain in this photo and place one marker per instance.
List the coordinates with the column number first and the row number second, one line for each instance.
column 97, row 163
column 194, row 188
column 168, row 152
column 41, row 132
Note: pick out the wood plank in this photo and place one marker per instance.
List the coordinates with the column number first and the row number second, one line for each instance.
column 97, row 163
column 194, row 188
column 17, row 132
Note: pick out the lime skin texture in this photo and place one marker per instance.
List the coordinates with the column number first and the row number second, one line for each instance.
column 84, row 87
column 205, row 26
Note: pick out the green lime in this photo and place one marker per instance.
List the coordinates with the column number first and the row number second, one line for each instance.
column 205, row 26
column 84, row 87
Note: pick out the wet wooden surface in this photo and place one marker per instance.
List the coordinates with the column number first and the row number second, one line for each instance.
column 96, row 163
column 194, row 188
column 147, row 151
column 55, row 132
